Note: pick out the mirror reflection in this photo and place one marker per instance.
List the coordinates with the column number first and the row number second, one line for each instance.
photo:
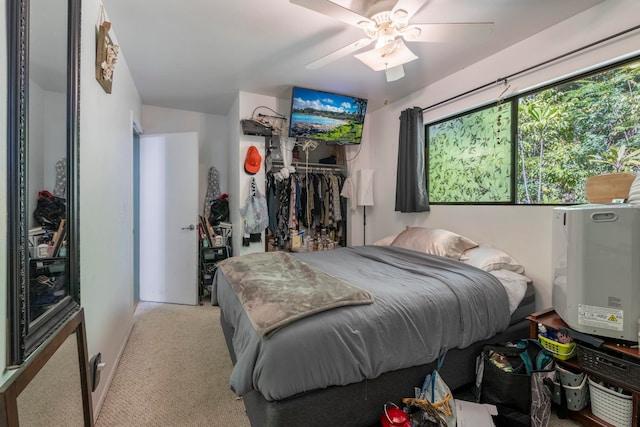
column 54, row 395
column 47, row 156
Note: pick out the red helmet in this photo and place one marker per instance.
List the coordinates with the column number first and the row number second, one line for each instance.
column 394, row 417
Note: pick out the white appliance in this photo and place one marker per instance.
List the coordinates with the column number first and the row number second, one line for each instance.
column 596, row 268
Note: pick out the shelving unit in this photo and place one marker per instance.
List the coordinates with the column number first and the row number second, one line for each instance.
column 209, row 258
column 550, row 319
column 210, row 253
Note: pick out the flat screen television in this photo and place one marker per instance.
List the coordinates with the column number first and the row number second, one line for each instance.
column 326, row 116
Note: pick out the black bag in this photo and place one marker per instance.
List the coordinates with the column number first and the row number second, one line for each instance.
column 512, row 377
column 219, row 210
column 50, row 210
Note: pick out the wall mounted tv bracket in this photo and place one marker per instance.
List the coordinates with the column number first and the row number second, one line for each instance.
column 255, row 127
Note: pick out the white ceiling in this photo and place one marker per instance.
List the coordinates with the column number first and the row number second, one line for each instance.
column 196, row 55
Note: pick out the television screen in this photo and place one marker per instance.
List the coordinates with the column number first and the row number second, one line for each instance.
column 326, row 116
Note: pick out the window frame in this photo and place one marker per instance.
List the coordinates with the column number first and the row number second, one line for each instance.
column 514, row 101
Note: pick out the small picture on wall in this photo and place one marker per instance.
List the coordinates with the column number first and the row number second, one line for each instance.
column 106, row 56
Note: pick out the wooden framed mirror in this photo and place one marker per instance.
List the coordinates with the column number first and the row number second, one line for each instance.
column 42, row 159
column 53, row 386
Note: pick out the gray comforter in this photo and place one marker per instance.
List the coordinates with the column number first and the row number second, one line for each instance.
column 422, row 302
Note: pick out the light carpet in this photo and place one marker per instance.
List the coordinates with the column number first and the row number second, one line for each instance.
column 175, row 372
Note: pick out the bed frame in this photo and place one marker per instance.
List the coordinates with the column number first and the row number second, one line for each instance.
column 361, row 404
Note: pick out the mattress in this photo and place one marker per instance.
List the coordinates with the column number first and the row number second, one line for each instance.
column 526, row 306
column 360, row 404
column 366, row 348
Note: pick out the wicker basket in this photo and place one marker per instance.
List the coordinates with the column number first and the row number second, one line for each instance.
column 560, row 351
column 610, row 406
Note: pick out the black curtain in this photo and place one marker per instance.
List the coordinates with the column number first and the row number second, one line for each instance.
column 411, row 186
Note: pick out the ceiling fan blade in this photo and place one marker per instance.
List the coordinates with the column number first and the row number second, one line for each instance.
column 409, row 6
column 334, row 10
column 339, row 53
column 450, row 32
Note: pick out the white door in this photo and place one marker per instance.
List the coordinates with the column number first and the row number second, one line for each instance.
column 168, row 218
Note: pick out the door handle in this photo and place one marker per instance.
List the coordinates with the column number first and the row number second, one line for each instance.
column 190, row 227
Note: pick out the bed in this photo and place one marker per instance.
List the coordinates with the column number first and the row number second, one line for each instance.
column 370, row 341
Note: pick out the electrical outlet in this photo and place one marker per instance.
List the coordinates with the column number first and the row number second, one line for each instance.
column 95, row 366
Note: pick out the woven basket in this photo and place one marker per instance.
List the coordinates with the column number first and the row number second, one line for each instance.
column 612, row 407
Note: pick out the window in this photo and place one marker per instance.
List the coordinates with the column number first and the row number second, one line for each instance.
column 542, row 152
column 470, row 158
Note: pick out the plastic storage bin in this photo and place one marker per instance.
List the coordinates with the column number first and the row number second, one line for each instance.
column 610, row 406
column 559, row 350
column 606, row 365
column 576, row 388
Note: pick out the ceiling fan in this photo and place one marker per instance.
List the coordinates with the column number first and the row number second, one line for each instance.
column 386, row 22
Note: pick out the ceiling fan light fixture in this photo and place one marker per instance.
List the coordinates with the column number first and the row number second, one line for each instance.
column 384, row 39
column 401, row 18
column 411, row 33
column 366, row 25
column 379, row 9
column 388, row 56
column 394, row 73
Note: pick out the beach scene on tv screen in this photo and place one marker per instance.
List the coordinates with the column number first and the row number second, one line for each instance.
column 326, row 116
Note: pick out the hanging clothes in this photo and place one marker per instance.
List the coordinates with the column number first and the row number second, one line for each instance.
column 310, row 201
column 283, row 194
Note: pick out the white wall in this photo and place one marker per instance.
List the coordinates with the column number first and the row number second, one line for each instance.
column 523, row 231
column 239, row 180
column 213, row 140
column 55, row 147
column 233, row 173
column 106, row 201
column 47, row 139
column 360, row 157
column 36, row 152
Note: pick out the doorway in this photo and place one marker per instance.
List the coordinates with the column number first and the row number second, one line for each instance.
column 136, row 217
column 168, row 212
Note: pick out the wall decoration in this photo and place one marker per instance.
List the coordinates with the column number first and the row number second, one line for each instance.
column 106, row 56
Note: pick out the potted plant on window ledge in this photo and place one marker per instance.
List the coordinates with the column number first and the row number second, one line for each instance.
column 603, row 188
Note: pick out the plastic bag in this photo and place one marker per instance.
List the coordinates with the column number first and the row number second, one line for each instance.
column 434, row 400
column 255, row 212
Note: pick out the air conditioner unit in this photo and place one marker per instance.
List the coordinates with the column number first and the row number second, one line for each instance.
column 596, row 268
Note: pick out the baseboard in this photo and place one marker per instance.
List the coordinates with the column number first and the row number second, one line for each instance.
column 97, row 404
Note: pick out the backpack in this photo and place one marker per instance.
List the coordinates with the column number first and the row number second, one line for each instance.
column 50, row 210
column 219, row 210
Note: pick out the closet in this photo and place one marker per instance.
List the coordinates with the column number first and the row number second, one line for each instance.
column 306, row 210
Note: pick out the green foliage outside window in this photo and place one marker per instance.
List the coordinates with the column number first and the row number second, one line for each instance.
column 562, row 132
column 469, row 158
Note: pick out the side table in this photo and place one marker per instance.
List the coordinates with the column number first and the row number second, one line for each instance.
column 550, row 319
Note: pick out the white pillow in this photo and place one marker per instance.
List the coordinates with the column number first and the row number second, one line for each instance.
column 488, row 258
column 514, row 284
column 386, row 241
column 434, row 241
column 634, row 192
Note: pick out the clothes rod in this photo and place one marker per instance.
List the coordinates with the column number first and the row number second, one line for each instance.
column 541, row 64
column 321, row 167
